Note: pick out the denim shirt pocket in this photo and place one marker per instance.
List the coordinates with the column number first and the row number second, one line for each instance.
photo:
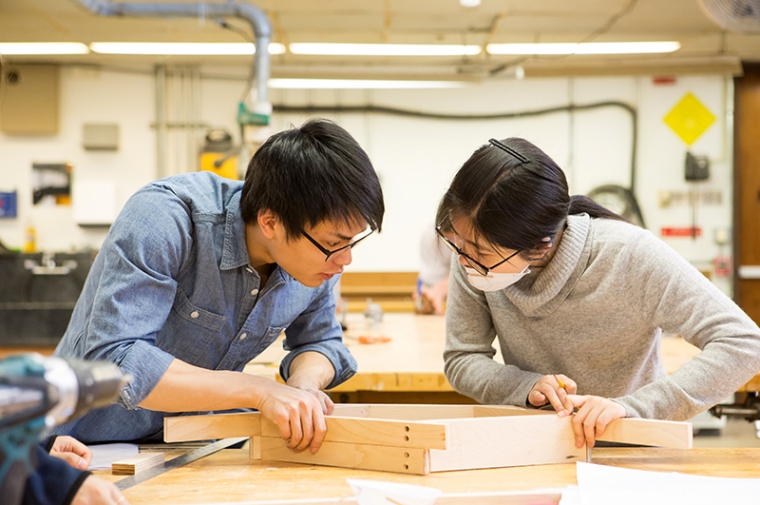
column 243, row 351
column 193, row 330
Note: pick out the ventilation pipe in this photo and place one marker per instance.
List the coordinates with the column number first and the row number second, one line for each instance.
column 262, row 109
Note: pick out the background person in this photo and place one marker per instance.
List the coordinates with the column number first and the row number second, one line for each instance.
column 433, row 279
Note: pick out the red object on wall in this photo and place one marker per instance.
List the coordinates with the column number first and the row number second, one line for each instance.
column 722, row 266
column 687, row 231
column 664, row 79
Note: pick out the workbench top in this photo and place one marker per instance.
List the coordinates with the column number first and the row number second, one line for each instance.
column 230, row 477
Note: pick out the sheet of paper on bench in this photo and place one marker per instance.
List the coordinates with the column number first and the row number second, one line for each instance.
column 105, row 454
column 602, row 485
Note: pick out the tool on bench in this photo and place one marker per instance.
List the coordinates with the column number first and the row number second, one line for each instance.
column 177, row 462
column 38, row 393
column 749, row 409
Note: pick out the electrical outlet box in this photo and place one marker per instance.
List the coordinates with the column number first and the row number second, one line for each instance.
column 697, row 168
column 100, row 137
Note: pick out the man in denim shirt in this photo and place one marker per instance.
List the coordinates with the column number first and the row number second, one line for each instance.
column 200, row 274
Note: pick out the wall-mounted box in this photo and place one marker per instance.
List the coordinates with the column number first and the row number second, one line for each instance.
column 100, row 137
column 8, row 204
column 29, row 99
column 94, row 203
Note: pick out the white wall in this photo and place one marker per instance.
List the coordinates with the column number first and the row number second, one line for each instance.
column 415, row 158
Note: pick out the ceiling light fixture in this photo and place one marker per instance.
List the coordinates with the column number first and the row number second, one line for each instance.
column 585, row 48
column 336, row 49
column 29, row 48
column 182, row 48
column 469, row 3
column 285, row 83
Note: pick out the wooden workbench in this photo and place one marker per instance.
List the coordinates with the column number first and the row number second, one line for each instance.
column 230, row 477
column 409, row 368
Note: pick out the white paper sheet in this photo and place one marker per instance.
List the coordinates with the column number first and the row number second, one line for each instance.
column 105, row 454
column 602, row 485
column 375, row 492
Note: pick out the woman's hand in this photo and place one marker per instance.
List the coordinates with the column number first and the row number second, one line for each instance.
column 554, row 390
column 72, row 451
column 593, row 416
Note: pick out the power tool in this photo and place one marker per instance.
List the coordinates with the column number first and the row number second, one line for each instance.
column 38, row 393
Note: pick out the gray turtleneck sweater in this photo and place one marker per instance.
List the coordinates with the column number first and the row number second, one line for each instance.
column 595, row 313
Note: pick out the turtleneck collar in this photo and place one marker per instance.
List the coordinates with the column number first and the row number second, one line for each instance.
column 541, row 291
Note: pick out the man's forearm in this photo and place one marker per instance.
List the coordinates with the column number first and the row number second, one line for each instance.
column 187, row 388
column 313, row 368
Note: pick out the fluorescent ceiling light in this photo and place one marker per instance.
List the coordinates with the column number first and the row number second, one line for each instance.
column 359, row 84
column 43, row 48
column 181, row 48
column 330, row 49
column 585, row 48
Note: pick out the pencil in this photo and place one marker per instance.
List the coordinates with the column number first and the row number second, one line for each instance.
column 561, row 384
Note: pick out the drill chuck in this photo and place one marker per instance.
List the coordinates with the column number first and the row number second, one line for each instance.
column 81, row 386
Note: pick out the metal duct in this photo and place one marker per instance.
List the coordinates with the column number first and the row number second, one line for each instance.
column 255, row 16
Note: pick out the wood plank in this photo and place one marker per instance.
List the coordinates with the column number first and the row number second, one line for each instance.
column 649, row 432
column 505, row 410
column 351, row 410
column 383, row 432
column 359, row 456
column 491, row 442
column 420, row 412
column 137, row 463
column 211, row 426
column 395, row 381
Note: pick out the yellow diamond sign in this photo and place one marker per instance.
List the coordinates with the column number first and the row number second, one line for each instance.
column 689, row 118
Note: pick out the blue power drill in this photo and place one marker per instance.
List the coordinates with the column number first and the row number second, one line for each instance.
column 38, row 393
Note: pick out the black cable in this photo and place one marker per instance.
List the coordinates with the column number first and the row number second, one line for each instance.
column 377, row 109
column 252, row 72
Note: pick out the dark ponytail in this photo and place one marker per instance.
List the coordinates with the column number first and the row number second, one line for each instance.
column 581, row 203
column 514, row 195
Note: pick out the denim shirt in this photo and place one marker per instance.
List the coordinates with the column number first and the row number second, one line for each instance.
column 173, row 280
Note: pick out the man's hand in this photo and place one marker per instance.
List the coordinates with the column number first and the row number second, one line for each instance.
column 299, row 408
column 298, row 414
column 593, row 416
column 553, row 389
column 95, row 491
column 72, row 451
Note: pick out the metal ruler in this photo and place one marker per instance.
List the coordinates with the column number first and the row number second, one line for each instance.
column 177, row 462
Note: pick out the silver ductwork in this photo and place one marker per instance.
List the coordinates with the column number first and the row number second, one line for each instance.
column 255, row 16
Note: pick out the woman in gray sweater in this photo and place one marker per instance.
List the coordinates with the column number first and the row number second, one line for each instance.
column 578, row 299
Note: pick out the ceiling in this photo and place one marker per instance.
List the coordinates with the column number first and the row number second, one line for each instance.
column 705, row 47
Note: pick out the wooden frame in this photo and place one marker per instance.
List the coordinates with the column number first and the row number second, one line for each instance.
column 420, row 439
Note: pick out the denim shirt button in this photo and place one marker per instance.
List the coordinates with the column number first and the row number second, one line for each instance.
column 194, row 314
column 249, row 270
column 242, row 336
column 255, row 292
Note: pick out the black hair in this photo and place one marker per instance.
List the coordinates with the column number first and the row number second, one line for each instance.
column 311, row 174
column 515, row 196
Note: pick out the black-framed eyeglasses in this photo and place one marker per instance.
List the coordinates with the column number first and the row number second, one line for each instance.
column 328, row 252
column 475, row 264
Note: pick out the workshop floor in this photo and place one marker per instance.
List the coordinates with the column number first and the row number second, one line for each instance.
column 737, row 433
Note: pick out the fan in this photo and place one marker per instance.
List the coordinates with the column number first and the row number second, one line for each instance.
column 734, row 15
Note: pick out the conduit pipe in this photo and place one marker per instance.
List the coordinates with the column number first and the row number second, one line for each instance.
column 256, row 17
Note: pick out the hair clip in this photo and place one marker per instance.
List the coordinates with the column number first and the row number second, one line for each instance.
column 508, row 149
